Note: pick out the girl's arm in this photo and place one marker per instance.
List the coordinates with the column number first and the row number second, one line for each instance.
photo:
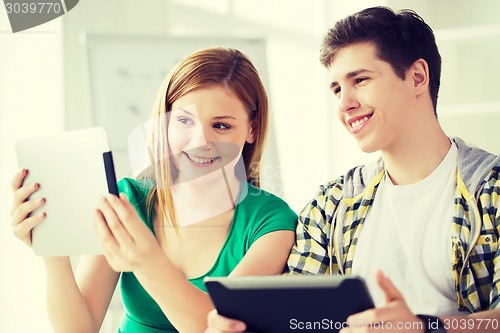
column 79, row 305
column 130, row 246
column 72, row 307
column 185, row 305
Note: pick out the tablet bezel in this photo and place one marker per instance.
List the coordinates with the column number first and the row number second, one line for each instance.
column 284, row 303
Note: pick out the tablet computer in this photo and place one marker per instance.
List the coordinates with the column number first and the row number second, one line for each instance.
column 290, row 303
column 74, row 170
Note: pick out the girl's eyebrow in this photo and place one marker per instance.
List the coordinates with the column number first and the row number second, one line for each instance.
column 186, row 111
column 224, row 117
column 216, row 117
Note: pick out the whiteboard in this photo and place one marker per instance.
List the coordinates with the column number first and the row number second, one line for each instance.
column 125, row 74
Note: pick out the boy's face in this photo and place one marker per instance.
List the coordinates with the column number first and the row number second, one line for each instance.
column 374, row 104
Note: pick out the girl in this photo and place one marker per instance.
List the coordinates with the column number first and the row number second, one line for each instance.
column 197, row 211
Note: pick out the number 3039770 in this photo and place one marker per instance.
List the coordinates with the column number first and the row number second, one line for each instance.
column 470, row 323
column 33, row 7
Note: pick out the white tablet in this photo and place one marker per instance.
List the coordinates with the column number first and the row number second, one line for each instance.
column 74, row 170
column 270, row 304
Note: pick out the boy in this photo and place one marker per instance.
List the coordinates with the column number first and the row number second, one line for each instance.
column 426, row 213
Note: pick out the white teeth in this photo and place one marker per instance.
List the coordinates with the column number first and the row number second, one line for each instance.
column 358, row 122
column 200, row 160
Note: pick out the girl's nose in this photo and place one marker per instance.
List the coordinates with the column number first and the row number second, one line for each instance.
column 199, row 137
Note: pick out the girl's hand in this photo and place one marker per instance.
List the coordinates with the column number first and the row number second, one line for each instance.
column 219, row 324
column 22, row 222
column 127, row 242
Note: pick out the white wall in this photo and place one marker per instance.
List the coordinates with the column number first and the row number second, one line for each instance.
column 298, row 85
column 31, row 103
column 313, row 148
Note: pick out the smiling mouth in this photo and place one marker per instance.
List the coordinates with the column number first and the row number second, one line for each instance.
column 201, row 161
column 358, row 123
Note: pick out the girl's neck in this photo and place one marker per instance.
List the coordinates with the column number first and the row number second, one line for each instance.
column 203, row 198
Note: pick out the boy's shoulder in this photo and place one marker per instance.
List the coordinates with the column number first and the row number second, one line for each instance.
column 354, row 181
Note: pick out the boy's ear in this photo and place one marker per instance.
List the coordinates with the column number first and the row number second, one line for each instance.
column 419, row 72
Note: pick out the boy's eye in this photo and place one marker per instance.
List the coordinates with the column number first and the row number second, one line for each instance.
column 360, row 79
column 221, row 126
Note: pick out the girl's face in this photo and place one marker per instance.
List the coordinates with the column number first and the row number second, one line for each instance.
column 207, row 130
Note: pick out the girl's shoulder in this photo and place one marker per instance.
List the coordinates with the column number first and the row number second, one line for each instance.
column 137, row 189
column 259, row 200
column 259, row 196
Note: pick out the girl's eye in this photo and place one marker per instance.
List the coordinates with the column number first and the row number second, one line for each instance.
column 185, row 121
column 221, row 126
column 336, row 91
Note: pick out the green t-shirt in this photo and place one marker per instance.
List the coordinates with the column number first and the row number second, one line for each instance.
column 258, row 213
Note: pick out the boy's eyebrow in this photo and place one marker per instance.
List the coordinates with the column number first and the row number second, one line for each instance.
column 351, row 75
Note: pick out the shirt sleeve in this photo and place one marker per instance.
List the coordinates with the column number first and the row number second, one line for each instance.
column 480, row 282
column 274, row 215
column 310, row 255
column 495, row 285
column 137, row 192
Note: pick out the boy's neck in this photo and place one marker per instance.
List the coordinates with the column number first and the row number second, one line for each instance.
column 416, row 156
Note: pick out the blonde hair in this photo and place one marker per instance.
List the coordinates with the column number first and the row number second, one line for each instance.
column 218, row 66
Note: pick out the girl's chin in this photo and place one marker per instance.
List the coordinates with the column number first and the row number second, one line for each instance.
column 199, row 178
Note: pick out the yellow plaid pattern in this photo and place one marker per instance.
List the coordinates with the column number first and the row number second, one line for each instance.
column 329, row 228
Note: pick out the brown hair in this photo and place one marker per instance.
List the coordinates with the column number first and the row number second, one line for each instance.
column 401, row 38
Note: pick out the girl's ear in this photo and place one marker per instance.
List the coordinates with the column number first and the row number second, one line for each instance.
column 251, row 135
column 419, row 72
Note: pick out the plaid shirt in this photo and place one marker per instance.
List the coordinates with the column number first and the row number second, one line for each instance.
column 330, row 225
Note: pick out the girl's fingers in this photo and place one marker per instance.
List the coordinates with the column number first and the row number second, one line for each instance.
column 121, row 207
column 22, row 211
column 112, row 250
column 114, row 224
column 22, row 194
column 128, row 215
column 108, row 241
column 22, row 222
column 23, row 230
column 223, row 324
column 18, row 179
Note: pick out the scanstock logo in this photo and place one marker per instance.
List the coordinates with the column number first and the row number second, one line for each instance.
column 26, row 14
